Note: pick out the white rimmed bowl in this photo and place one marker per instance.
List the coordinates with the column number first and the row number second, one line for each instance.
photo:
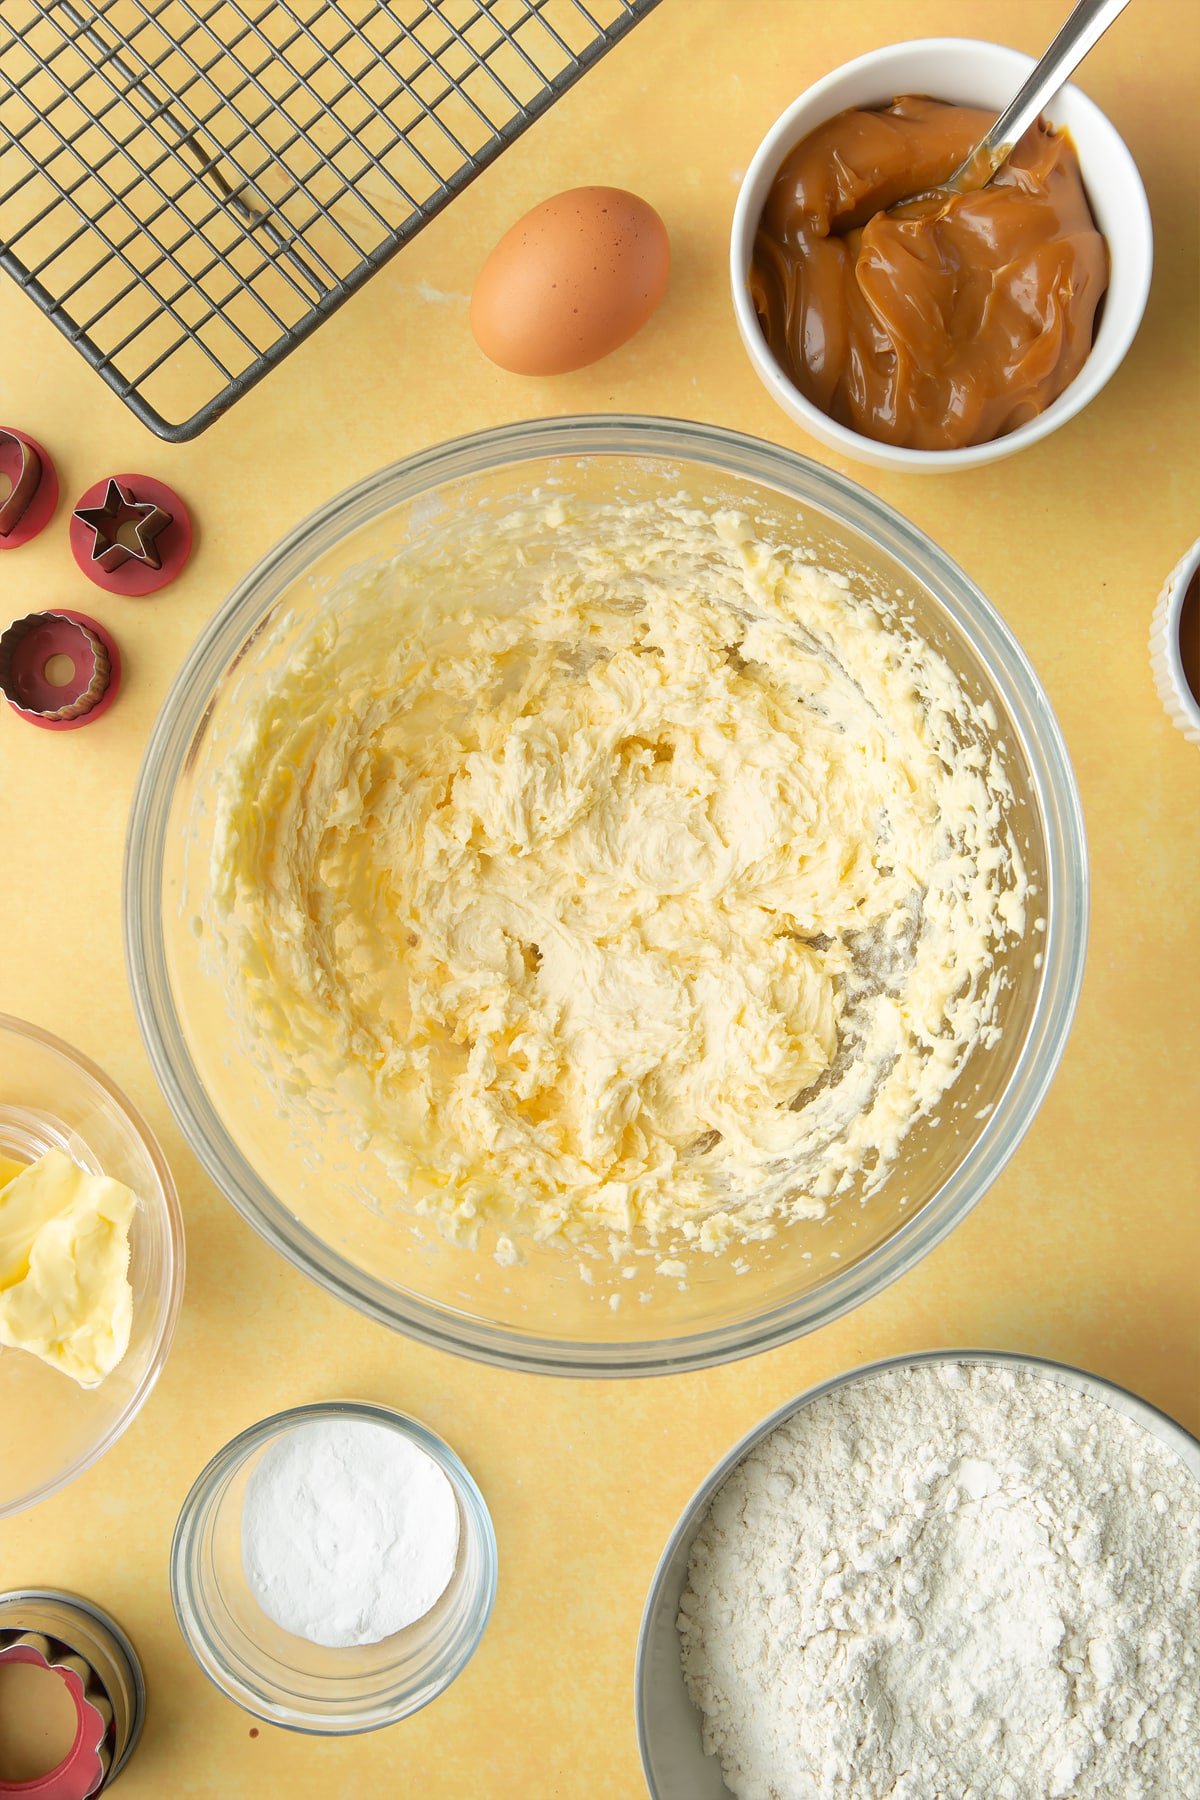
column 1166, row 661
column 668, row 1725
column 973, row 73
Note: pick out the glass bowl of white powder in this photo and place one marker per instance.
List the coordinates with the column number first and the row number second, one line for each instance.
column 958, row 1572
column 334, row 1568
column 605, row 896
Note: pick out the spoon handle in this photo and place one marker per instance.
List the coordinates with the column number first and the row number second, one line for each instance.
column 1087, row 23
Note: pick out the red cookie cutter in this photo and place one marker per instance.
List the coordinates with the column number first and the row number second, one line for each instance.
column 82, row 1771
column 28, row 647
column 131, row 534
column 32, row 493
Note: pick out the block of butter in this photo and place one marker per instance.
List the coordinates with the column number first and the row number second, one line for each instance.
column 64, row 1267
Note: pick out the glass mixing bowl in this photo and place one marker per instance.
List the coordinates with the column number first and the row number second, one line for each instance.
column 341, row 1224
column 52, row 1098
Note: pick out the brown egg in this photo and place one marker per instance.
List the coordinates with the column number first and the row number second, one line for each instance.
column 573, row 279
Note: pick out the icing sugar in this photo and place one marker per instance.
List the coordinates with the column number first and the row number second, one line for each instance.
column 349, row 1532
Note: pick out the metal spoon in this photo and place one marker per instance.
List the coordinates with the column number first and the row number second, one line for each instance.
column 1085, row 26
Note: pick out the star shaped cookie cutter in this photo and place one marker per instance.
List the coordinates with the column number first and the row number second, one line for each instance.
column 125, row 528
column 130, row 534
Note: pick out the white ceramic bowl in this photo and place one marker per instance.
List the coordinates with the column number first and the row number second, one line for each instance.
column 971, row 73
column 1183, row 708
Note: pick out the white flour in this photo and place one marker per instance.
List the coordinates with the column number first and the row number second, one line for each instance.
column 349, row 1532
column 951, row 1583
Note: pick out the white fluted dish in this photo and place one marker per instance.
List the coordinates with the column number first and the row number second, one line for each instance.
column 1166, row 661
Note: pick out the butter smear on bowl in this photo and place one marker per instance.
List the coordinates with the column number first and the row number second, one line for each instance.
column 65, row 1294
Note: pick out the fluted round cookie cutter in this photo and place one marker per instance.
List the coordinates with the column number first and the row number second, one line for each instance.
column 28, row 647
column 79, row 1642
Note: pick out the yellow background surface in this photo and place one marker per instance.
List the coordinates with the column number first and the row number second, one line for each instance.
column 1088, row 1247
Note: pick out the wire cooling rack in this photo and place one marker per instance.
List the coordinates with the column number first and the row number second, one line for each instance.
column 189, row 187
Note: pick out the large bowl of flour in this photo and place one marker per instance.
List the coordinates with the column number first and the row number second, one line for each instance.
column 962, row 1572
column 605, row 896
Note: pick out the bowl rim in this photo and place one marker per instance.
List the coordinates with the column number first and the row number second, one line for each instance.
column 1166, row 651
column 686, row 1525
column 175, row 1258
column 224, row 1464
column 726, row 452
column 1136, row 247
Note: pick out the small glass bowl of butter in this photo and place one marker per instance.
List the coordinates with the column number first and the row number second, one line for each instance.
column 54, row 1099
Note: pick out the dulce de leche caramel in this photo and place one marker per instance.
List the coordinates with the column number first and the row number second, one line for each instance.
column 951, row 322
